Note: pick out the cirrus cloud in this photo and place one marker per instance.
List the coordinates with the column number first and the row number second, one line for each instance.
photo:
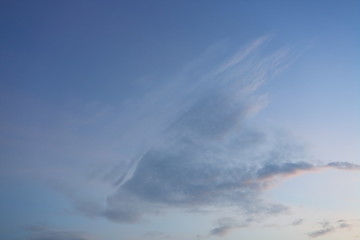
column 208, row 153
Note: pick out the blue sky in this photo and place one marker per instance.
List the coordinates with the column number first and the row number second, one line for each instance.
column 129, row 120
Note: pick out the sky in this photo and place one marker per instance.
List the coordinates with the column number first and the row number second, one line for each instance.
column 179, row 120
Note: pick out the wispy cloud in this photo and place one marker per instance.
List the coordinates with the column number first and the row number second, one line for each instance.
column 344, row 166
column 272, row 171
column 186, row 143
column 205, row 152
column 344, row 225
column 297, row 222
column 321, row 232
column 328, row 227
column 45, row 233
column 226, row 225
column 154, row 235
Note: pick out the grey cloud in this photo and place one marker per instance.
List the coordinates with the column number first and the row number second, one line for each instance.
column 190, row 173
column 222, row 230
column 208, row 154
column 121, row 215
column 207, row 159
column 344, row 166
column 326, row 228
column 211, row 117
column 153, row 235
column 42, row 233
column 206, row 151
column 344, row 225
column 225, row 225
column 157, row 235
column 321, row 232
column 325, row 224
column 273, row 169
column 187, row 169
column 187, row 174
column 329, row 227
column 120, row 207
column 297, row 222
column 199, row 164
column 282, row 169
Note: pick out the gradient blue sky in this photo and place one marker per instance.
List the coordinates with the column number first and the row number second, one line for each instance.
column 182, row 120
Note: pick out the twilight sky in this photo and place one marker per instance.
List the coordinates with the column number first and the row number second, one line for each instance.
column 179, row 120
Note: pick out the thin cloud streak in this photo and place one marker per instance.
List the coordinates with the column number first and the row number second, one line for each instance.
column 321, row 232
column 328, row 227
column 226, row 225
column 297, row 222
column 45, row 233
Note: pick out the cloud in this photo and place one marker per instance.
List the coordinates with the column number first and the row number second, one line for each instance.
column 225, row 225
column 207, row 150
column 44, row 233
column 153, row 235
column 329, row 227
column 326, row 228
column 192, row 170
column 344, row 166
column 201, row 149
column 297, row 222
column 157, row 235
column 270, row 170
column 221, row 230
column 321, row 232
column 344, row 225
